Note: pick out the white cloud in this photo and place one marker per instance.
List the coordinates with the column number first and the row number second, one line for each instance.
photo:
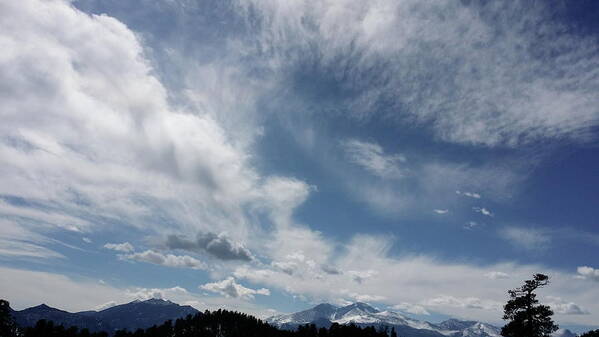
column 288, row 267
column 167, row 260
column 229, row 288
column 110, row 147
column 86, row 240
column 441, row 211
column 559, row 306
column 356, row 297
column 143, row 294
column 588, row 273
column 361, row 275
column 526, row 238
column 411, row 308
column 471, row 225
column 124, row 247
column 482, row 211
column 468, row 194
column 372, row 157
column 497, row 275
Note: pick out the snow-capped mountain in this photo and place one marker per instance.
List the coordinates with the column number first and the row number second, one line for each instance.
column 363, row 314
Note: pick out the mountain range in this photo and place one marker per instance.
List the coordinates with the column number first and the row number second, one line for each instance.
column 131, row 316
column 362, row 314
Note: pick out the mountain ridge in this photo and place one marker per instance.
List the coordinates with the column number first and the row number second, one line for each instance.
column 131, row 316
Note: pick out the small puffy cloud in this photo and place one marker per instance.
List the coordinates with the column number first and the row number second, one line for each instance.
column 497, row 275
column 468, row 194
column 411, row 308
column 590, row 273
column 482, row 211
column 526, row 238
column 168, row 260
column 441, row 211
column 471, row 225
column 124, row 247
column 218, row 245
column 230, row 288
column 86, row 240
column 159, row 293
column 372, row 158
column 559, row 306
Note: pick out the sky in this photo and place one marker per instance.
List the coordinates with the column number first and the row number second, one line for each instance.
column 266, row 156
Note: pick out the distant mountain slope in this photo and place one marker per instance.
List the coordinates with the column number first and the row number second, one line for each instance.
column 30, row 316
column 133, row 315
column 142, row 314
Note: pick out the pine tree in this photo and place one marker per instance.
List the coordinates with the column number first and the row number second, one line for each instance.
column 527, row 317
column 592, row 333
column 8, row 328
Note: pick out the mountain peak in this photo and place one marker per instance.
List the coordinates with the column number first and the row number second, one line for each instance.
column 42, row 306
column 157, row 301
column 361, row 306
column 325, row 307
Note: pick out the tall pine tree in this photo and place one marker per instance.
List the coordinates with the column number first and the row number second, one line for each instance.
column 528, row 318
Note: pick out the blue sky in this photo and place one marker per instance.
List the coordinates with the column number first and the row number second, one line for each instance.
column 266, row 156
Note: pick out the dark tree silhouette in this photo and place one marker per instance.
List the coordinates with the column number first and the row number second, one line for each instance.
column 8, row 328
column 592, row 333
column 528, row 318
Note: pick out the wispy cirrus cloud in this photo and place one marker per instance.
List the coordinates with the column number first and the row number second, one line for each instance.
column 373, row 158
column 486, row 59
column 124, row 247
column 526, row 238
column 497, row 275
column 467, row 302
